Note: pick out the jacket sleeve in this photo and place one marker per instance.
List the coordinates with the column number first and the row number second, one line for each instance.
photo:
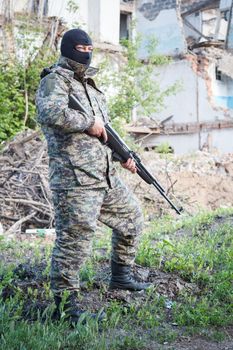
column 52, row 100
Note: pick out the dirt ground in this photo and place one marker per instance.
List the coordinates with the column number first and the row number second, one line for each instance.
column 198, row 343
column 168, row 285
column 198, row 181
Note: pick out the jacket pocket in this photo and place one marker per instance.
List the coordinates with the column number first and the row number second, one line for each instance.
column 89, row 161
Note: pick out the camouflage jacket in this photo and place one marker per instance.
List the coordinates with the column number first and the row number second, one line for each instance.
column 75, row 158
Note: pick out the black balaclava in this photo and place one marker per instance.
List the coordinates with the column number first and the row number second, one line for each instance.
column 72, row 38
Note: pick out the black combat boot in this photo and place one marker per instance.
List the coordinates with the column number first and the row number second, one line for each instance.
column 72, row 311
column 122, row 279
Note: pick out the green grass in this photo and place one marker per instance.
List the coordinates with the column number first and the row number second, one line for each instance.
column 200, row 255
column 198, row 250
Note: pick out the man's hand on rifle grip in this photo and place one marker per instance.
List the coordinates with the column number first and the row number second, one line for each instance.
column 130, row 165
column 98, row 129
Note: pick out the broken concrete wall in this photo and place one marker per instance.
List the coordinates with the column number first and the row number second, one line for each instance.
column 206, row 96
column 195, row 101
column 181, row 144
column 187, row 143
column 160, row 19
column 217, row 140
column 181, row 71
column 202, row 99
column 198, row 103
column 220, row 73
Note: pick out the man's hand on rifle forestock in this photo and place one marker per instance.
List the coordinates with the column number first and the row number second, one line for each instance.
column 130, row 165
column 98, row 129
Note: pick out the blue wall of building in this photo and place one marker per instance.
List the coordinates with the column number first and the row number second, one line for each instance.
column 224, row 101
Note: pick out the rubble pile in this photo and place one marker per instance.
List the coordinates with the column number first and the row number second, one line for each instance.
column 24, row 189
column 200, row 180
column 200, row 162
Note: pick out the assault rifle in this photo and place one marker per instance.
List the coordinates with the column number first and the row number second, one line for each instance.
column 122, row 152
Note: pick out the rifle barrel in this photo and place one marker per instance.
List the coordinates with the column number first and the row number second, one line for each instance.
column 166, row 197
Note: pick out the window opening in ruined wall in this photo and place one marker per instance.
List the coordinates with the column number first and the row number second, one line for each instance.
column 126, row 12
column 218, row 74
column 125, row 22
column 213, row 24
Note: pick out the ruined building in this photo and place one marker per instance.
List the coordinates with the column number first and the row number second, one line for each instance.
column 197, row 34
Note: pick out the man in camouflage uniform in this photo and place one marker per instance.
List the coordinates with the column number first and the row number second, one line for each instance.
column 82, row 173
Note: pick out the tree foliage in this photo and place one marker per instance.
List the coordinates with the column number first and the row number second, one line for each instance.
column 133, row 85
column 18, row 84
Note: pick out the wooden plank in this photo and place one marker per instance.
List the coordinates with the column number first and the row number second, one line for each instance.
column 142, row 130
column 181, row 128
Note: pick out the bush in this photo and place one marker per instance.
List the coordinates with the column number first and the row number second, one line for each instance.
column 18, row 84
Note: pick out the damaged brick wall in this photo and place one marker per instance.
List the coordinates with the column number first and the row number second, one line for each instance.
column 151, row 9
column 203, row 64
column 200, row 65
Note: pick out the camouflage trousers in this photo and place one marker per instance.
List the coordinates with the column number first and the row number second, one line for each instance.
column 76, row 215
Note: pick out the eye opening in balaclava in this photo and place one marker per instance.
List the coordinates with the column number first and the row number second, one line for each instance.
column 72, row 38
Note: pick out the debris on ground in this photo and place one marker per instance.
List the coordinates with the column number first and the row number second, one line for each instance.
column 28, row 277
column 200, row 180
column 24, row 189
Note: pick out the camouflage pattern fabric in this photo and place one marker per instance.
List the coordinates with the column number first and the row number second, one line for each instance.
column 75, row 157
column 82, row 176
column 77, row 211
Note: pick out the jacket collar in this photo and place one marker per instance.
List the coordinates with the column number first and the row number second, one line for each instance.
column 71, row 67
